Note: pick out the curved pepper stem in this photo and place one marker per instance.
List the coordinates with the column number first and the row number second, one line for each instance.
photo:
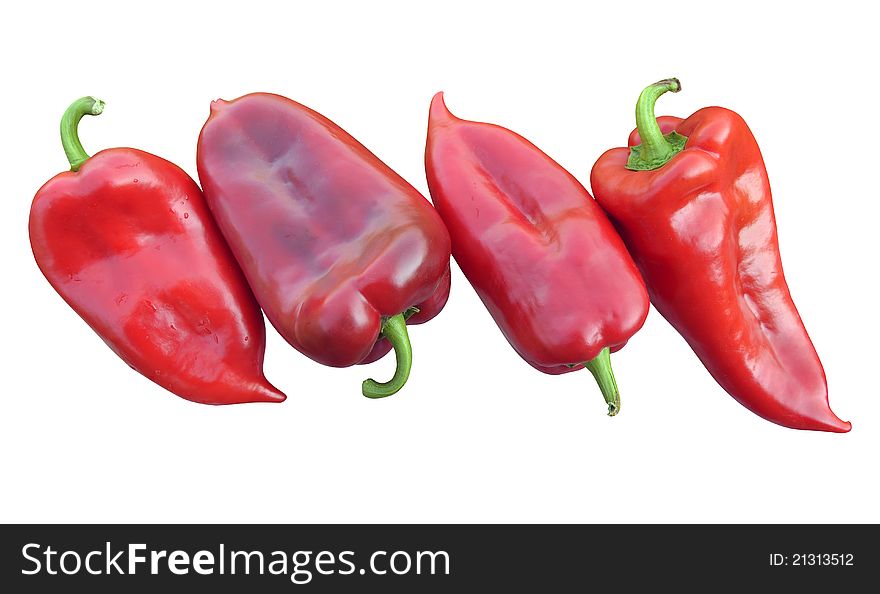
column 600, row 367
column 73, row 148
column 656, row 149
column 394, row 329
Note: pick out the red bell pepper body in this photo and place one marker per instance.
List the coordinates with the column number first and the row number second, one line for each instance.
column 536, row 247
column 701, row 228
column 129, row 243
column 334, row 243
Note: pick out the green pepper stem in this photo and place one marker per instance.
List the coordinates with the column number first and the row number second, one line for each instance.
column 394, row 329
column 653, row 142
column 73, row 148
column 600, row 367
column 655, row 148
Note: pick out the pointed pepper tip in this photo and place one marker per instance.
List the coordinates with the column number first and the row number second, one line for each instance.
column 439, row 112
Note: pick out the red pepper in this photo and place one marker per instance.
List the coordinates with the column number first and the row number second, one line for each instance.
column 127, row 240
column 695, row 211
column 537, row 248
column 338, row 248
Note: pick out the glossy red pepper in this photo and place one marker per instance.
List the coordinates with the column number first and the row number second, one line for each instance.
column 337, row 247
column 539, row 251
column 695, row 210
column 127, row 240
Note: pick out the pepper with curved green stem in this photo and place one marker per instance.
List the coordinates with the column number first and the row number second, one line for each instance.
column 695, row 210
column 127, row 240
column 539, row 251
column 336, row 246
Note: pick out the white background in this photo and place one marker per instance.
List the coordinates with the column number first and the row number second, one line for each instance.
column 477, row 435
